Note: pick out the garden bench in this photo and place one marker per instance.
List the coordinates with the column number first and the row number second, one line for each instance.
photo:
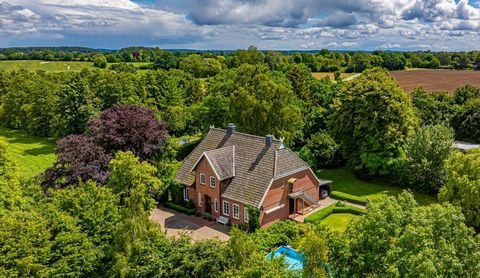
column 223, row 220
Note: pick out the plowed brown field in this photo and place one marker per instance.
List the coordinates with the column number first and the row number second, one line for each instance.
column 436, row 80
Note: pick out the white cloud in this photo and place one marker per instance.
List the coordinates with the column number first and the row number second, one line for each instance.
column 231, row 24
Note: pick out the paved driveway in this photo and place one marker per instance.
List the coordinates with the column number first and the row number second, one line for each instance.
column 175, row 223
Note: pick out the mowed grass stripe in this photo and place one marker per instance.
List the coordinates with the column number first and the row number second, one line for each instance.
column 346, row 182
column 34, row 65
column 33, row 155
column 339, row 221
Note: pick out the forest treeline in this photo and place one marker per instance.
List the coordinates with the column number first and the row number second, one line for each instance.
column 317, row 61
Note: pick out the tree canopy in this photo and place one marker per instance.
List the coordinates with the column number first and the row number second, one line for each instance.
column 398, row 237
column 423, row 168
column 371, row 121
column 462, row 187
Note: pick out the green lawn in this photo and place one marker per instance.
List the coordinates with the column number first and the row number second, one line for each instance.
column 33, row 155
column 44, row 65
column 339, row 221
column 345, row 181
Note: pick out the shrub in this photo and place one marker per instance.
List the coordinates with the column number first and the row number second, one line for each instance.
column 253, row 222
column 347, row 197
column 180, row 208
column 189, row 204
column 100, row 62
column 338, row 207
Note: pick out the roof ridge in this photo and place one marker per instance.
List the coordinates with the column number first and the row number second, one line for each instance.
column 247, row 134
column 217, row 149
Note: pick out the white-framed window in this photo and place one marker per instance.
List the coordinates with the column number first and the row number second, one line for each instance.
column 226, row 208
column 236, row 211
column 199, row 199
column 246, row 217
column 212, row 181
column 186, row 197
column 202, row 178
column 215, row 204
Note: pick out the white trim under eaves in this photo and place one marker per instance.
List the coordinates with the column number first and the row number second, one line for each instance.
column 233, row 159
column 196, row 162
column 265, row 194
column 313, row 173
column 211, row 166
column 274, row 209
column 204, row 154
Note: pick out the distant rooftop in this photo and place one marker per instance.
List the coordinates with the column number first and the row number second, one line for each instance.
column 465, row 146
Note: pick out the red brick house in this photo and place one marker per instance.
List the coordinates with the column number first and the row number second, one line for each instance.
column 229, row 170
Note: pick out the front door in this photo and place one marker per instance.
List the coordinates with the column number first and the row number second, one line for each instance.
column 291, row 205
column 208, row 204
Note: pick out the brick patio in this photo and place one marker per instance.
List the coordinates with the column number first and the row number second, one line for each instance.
column 174, row 223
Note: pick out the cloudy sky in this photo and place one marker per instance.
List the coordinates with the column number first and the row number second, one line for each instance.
column 233, row 24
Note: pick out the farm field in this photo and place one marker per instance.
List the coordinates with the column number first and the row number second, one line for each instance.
column 339, row 221
column 33, row 155
column 346, row 182
column 320, row 75
column 44, row 65
column 435, row 80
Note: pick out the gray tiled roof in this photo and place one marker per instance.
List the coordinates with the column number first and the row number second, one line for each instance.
column 255, row 164
column 288, row 161
column 222, row 161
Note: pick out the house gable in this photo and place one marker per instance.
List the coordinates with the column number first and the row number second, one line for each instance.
column 248, row 163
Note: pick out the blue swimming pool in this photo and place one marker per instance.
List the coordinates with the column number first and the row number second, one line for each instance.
column 293, row 258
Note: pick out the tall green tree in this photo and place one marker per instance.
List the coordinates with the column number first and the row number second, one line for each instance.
column 399, row 238
column 467, row 122
column 371, row 119
column 10, row 190
column 433, row 109
column 131, row 180
column 423, row 169
column 260, row 101
column 76, row 106
column 314, row 247
column 462, row 187
column 466, row 93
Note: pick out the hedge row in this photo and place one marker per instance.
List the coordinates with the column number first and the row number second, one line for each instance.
column 333, row 208
column 347, row 197
column 349, row 209
column 321, row 214
column 180, row 208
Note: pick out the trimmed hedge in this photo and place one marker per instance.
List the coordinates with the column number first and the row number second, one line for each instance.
column 349, row 209
column 333, row 208
column 180, row 208
column 321, row 214
column 347, row 197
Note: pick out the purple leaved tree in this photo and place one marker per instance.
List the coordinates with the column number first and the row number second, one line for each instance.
column 129, row 128
column 78, row 158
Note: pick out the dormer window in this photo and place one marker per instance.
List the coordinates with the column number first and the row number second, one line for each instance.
column 212, row 182
column 202, row 178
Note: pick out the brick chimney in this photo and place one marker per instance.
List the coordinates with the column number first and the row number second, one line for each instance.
column 231, row 129
column 269, row 140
